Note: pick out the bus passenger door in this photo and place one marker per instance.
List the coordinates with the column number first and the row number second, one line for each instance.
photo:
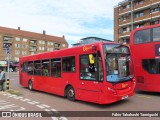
column 23, row 74
column 89, row 84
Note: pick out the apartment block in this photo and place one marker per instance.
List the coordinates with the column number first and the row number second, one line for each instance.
column 131, row 14
column 24, row 43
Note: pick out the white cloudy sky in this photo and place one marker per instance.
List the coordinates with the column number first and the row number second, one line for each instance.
column 73, row 18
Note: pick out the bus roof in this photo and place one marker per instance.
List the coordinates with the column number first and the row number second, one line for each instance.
column 66, row 50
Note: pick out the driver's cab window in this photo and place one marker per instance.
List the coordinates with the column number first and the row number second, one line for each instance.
column 88, row 67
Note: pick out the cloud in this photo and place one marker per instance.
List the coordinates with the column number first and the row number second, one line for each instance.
column 72, row 18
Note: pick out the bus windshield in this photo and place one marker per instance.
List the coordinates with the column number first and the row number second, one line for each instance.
column 119, row 67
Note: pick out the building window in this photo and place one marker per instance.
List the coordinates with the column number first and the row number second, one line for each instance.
column 139, row 2
column 17, row 39
column 139, row 14
column 57, row 45
column 140, row 26
column 24, row 39
column 24, row 46
column 56, row 67
column 124, row 6
column 43, row 42
column 51, row 43
column 157, row 9
column 63, row 45
column 124, row 30
column 24, row 52
column 17, row 52
column 50, row 49
column 124, row 18
column 32, row 53
column 7, row 39
column 155, row 22
column 17, row 45
column 16, row 59
column 40, row 42
column 40, row 48
column 68, row 64
column 43, row 48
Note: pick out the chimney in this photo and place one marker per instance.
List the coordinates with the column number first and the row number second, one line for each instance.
column 44, row 32
column 63, row 36
column 19, row 28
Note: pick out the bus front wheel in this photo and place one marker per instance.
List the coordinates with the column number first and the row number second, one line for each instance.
column 70, row 93
column 30, row 85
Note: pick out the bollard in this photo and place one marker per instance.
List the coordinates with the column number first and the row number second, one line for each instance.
column 7, row 84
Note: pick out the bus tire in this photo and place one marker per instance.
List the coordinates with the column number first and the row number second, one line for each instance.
column 70, row 93
column 30, row 85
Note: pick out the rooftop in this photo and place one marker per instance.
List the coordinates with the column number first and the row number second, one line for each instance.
column 32, row 35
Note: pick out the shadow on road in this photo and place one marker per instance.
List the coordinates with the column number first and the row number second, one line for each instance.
column 148, row 93
column 89, row 104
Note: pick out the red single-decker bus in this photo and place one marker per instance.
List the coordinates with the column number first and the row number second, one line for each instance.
column 100, row 73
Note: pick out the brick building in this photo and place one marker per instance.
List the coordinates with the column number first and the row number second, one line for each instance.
column 27, row 43
column 131, row 14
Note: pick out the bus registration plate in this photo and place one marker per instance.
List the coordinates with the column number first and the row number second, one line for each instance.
column 124, row 97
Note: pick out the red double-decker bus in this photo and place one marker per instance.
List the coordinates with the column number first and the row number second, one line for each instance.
column 101, row 72
column 145, row 49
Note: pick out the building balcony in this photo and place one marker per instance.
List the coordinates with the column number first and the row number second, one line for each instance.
column 33, row 44
column 140, row 6
column 155, row 14
column 7, row 41
column 155, row 1
column 32, row 50
column 122, row 22
column 143, row 18
column 124, row 34
column 124, row 11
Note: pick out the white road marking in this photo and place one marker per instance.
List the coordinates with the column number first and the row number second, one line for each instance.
column 63, row 118
column 3, row 102
column 40, row 106
column 21, row 108
column 25, row 100
column 54, row 110
column 7, row 106
column 47, row 106
column 18, row 97
column 54, row 118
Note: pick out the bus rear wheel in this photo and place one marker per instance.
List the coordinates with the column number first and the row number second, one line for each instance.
column 70, row 93
column 30, row 85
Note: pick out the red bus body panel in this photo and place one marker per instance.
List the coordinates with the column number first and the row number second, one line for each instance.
column 91, row 91
column 145, row 80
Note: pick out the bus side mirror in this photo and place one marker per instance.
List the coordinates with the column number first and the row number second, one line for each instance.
column 91, row 59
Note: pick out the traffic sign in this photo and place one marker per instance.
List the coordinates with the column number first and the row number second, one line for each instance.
column 8, row 50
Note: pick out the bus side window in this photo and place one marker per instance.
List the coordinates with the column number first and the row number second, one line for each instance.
column 56, row 67
column 30, row 68
column 46, row 67
column 37, row 67
column 68, row 64
column 88, row 67
column 24, row 67
column 156, row 34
